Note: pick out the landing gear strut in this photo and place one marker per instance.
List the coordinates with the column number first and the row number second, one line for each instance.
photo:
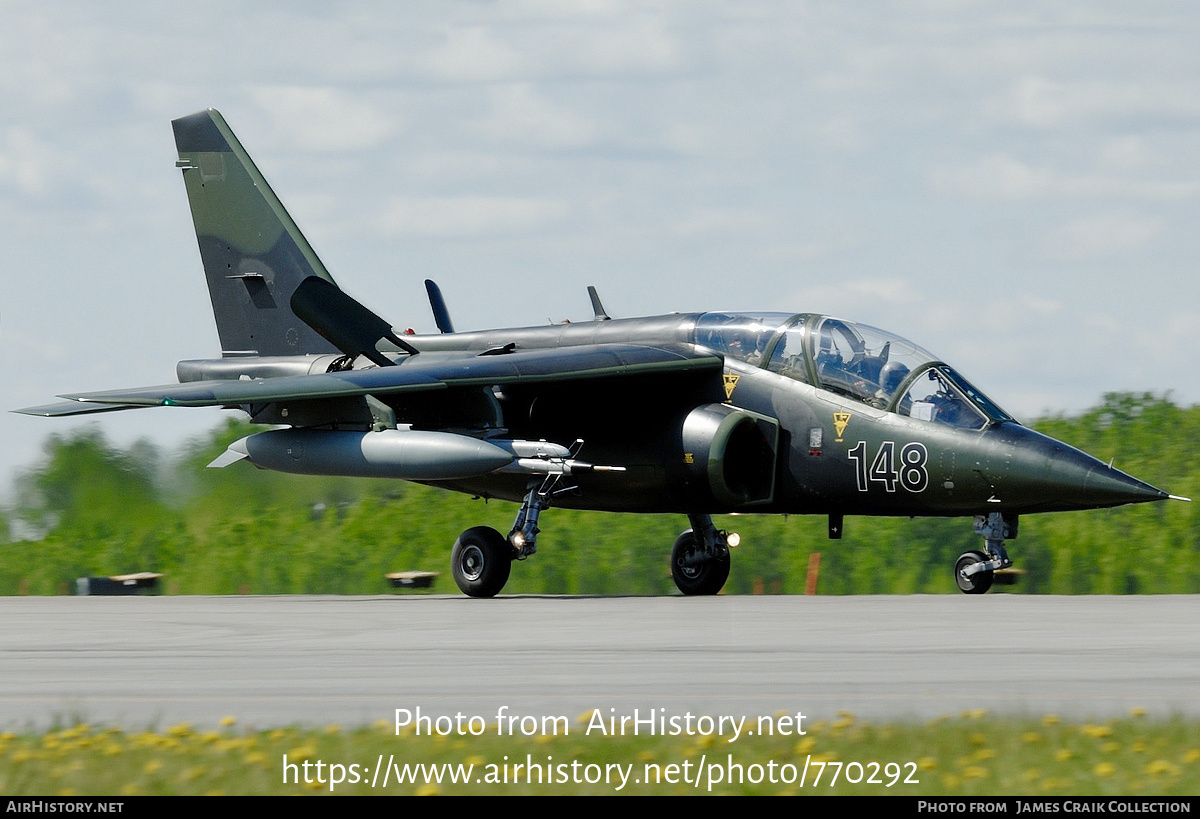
column 482, row 558
column 700, row 557
column 523, row 535
column 974, row 572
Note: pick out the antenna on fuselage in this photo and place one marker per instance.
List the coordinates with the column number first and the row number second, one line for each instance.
column 597, row 307
column 440, row 314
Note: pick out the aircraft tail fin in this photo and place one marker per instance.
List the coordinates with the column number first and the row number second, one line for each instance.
column 254, row 255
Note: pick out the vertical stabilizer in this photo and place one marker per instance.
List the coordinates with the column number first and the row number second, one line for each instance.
column 254, row 255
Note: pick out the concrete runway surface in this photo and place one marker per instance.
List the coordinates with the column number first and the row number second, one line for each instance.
column 150, row 662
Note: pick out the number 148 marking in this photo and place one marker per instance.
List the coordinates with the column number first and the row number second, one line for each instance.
column 912, row 474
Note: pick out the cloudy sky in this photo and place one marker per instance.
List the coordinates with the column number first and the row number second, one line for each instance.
column 1012, row 185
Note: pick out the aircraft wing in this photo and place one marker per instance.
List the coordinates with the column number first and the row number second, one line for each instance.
column 64, row 408
column 419, row 373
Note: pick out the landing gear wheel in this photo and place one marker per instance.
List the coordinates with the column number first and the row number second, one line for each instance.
column 702, row 578
column 480, row 561
column 977, row 583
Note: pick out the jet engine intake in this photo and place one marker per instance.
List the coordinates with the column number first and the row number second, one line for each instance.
column 732, row 453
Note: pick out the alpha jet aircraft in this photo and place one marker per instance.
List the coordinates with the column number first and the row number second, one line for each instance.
column 698, row 414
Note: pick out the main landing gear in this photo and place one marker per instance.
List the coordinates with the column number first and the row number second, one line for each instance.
column 700, row 557
column 480, row 561
column 974, row 572
column 482, row 557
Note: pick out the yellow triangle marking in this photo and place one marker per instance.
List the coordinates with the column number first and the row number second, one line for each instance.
column 840, row 421
column 731, row 380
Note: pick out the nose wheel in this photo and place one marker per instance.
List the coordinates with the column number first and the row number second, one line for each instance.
column 977, row 582
column 974, row 572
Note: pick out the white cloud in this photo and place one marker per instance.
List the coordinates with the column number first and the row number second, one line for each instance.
column 474, row 53
column 324, row 119
column 725, row 221
column 533, row 41
column 449, row 216
column 1170, row 342
column 637, row 45
column 1103, row 235
column 856, row 298
column 1129, row 153
column 996, row 176
column 1038, row 102
column 452, row 168
column 27, row 162
column 1002, row 177
column 520, row 114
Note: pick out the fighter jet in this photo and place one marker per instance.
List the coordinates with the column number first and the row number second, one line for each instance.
column 696, row 414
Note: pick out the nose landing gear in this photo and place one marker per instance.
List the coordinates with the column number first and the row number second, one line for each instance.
column 974, row 572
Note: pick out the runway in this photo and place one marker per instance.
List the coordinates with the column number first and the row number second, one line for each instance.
column 145, row 662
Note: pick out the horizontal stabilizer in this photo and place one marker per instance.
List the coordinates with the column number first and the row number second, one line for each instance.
column 342, row 321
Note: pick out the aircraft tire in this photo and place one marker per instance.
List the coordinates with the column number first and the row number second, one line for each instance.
column 977, row 583
column 707, row 578
column 481, row 561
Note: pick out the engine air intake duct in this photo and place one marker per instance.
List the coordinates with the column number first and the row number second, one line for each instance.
column 732, row 452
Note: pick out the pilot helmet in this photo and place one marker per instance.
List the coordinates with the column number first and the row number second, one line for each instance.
column 892, row 376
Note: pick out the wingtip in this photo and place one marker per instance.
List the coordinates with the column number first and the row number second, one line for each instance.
column 66, row 408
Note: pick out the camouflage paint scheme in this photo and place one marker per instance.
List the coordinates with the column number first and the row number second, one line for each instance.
column 697, row 414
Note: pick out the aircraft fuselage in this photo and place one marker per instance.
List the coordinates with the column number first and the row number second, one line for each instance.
column 795, row 448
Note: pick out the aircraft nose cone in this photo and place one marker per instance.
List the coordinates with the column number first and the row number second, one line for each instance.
column 1049, row 475
column 1101, row 484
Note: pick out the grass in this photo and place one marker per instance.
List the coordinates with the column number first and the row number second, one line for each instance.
column 973, row 754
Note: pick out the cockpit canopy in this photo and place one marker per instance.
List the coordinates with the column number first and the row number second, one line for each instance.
column 855, row 360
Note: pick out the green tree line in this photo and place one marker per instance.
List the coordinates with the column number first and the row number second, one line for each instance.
column 93, row 509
